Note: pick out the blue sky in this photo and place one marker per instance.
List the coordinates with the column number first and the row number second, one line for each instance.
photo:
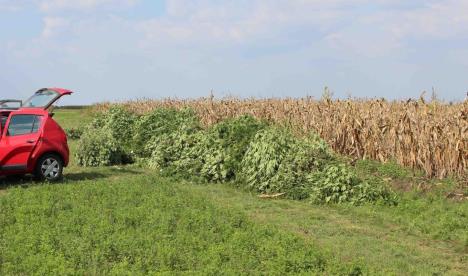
column 109, row 50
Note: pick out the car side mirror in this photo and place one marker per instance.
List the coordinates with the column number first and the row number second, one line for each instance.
column 51, row 114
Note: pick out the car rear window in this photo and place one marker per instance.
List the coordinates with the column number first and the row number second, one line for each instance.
column 23, row 124
column 41, row 98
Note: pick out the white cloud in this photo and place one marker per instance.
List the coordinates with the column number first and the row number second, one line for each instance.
column 434, row 20
column 50, row 6
column 245, row 46
column 208, row 21
column 396, row 30
column 13, row 5
column 389, row 21
column 53, row 26
column 59, row 5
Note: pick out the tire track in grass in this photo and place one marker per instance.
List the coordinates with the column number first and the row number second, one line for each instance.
column 383, row 245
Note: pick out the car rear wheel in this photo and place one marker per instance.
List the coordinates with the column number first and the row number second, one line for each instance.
column 49, row 167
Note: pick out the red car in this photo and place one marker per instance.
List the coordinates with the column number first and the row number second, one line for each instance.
column 31, row 142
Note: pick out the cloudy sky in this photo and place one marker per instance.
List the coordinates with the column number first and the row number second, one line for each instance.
column 123, row 49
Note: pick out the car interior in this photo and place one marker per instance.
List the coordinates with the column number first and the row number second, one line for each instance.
column 3, row 119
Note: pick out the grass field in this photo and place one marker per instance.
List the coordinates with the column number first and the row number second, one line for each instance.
column 128, row 220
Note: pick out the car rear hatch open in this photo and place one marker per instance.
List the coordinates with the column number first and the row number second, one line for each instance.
column 46, row 97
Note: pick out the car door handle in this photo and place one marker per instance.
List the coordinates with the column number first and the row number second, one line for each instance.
column 30, row 141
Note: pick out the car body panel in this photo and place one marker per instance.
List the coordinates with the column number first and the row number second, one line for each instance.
column 61, row 91
column 52, row 139
column 15, row 151
column 20, row 153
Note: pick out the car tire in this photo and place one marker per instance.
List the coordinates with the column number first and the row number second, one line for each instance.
column 49, row 167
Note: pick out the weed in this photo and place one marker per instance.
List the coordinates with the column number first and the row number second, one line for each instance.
column 99, row 148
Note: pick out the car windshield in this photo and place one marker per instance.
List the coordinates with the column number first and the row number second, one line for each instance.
column 42, row 98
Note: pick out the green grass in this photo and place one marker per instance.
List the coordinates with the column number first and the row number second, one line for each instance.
column 73, row 118
column 125, row 220
column 389, row 240
column 141, row 224
column 423, row 205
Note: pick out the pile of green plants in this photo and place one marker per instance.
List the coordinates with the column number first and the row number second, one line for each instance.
column 107, row 139
column 171, row 149
column 223, row 147
column 261, row 157
column 338, row 183
column 99, row 148
column 279, row 161
column 216, row 154
column 161, row 125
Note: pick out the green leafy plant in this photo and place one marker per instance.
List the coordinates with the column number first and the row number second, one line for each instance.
column 99, row 148
column 168, row 136
column 174, row 152
column 107, row 139
column 119, row 122
column 278, row 161
column 223, row 146
column 214, row 154
column 339, row 183
column 162, row 122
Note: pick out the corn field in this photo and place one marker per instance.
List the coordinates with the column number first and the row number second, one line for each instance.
column 432, row 137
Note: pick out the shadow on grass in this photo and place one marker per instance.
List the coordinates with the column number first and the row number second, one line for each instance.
column 80, row 176
column 15, row 180
column 94, row 175
column 25, row 181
